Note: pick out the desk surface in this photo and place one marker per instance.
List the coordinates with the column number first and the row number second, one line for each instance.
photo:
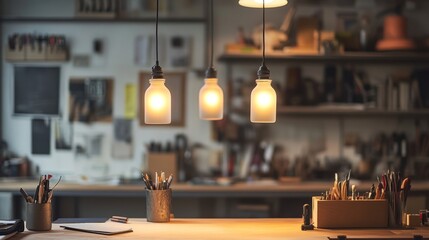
column 299, row 189
column 225, row 229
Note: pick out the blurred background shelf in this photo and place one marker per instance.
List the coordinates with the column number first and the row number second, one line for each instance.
column 318, row 111
column 101, row 20
column 326, row 111
column 362, row 57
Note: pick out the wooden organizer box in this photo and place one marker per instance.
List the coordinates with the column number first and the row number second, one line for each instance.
column 350, row 214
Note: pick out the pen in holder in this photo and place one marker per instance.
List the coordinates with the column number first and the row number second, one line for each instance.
column 158, row 205
column 158, row 197
column 39, row 208
column 39, row 216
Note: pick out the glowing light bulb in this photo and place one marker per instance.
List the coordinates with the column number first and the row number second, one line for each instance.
column 211, row 100
column 263, row 102
column 157, row 103
column 258, row 3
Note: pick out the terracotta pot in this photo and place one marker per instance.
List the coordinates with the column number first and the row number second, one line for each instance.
column 395, row 27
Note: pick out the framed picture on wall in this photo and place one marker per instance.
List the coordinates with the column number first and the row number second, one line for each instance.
column 176, row 83
column 91, row 99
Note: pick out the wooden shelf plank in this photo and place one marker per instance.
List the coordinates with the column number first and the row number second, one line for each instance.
column 317, row 111
column 360, row 57
column 322, row 111
column 101, row 20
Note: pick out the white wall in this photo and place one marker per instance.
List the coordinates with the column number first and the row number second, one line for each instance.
column 120, row 66
column 294, row 133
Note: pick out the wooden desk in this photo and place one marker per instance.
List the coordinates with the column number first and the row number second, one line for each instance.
column 78, row 200
column 226, row 229
column 296, row 189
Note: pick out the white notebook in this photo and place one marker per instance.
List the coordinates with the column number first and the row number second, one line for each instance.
column 107, row 228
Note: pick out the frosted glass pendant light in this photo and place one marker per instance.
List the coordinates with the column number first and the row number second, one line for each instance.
column 211, row 95
column 259, row 3
column 157, row 98
column 263, row 100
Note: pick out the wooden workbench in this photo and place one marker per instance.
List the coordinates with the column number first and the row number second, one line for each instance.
column 295, row 189
column 82, row 200
column 226, row 229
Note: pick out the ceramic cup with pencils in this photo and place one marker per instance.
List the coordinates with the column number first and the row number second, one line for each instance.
column 39, row 216
column 39, row 207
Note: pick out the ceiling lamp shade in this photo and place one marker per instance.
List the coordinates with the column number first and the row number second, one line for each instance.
column 157, row 103
column 263, row 104
column 211, row 100
column 157, row 97
column 259, row 3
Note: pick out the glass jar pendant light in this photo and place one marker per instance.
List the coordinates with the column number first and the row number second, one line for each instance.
column 263, row 99
column 157, row 98
column 211, row 95
column 259, row 3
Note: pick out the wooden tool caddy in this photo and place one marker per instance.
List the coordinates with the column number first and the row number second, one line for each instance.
column 368, row 213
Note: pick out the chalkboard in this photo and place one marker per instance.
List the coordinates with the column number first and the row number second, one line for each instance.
column 40, row 136
column 36, row 90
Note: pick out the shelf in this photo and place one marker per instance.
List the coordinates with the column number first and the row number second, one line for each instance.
column 351, row 57
column 317, row 111
column 100, row 20
column 326, row 111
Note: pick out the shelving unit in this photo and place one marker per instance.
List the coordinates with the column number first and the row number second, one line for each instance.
column 352, row 57
column 342, row 113
column 101, row 20
column 347, row 58
column 320, row 111
column 317, row 111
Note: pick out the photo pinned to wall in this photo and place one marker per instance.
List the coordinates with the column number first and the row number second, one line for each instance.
column 91, row 99
column 88, row 145
column 179, row 51
column 144, row 52
column 41, row 136
column 176, row 82
column 123, row 140
column 63, row 135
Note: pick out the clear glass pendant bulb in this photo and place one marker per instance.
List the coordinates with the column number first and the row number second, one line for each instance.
column 263, row 102
column 258, row 3
column 157, row 103
column 211, row 100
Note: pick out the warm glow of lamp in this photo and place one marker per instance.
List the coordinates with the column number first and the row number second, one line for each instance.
column 211, row 100
column 263, row 102
column 157, row 103
column 258, row 3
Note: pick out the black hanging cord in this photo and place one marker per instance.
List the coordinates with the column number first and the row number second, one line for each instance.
column 263, row 72
column 157, row 70
column 211, row 72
